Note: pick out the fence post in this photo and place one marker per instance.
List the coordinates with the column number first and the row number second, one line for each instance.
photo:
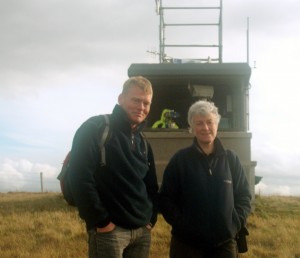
column 42, row 183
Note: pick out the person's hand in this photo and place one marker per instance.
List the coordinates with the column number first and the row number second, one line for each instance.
column 148, row 226
column 108, row 228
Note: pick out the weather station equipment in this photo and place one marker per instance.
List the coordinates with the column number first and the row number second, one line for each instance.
column 194, row 71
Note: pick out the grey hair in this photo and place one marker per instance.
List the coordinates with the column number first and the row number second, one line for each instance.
column 203, row 107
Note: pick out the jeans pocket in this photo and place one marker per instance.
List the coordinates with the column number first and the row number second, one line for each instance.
column 106, row 230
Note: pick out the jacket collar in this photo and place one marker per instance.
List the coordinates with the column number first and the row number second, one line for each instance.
column 121, row 121
column 218, row 147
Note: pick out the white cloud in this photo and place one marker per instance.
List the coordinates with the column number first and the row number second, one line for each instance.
column 274, row 189
column 23, row 175
column 11, row 178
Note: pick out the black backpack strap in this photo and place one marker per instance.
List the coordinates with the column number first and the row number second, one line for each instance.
column 103, row 138
column 105, row 135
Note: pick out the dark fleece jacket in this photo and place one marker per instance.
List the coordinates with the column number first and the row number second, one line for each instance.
column 125, row 190
column 205, row 202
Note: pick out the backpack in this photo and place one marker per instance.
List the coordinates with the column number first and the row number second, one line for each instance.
column 64, row 182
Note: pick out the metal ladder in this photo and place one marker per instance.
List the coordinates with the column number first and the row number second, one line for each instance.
column 162, row 11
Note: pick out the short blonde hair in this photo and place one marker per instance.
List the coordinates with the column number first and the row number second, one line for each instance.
column 138, row 81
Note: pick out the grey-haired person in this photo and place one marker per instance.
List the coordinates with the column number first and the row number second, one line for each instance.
column 205, row 194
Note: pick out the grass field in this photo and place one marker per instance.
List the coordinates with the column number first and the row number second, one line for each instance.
column 42, row 225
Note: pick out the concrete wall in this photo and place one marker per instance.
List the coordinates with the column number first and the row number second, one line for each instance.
column 166, row 142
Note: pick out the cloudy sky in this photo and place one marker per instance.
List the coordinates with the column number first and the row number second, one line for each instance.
column 62, row 61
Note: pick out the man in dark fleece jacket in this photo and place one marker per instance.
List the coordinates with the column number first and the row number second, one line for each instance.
column 117, row 201
column 205, row 195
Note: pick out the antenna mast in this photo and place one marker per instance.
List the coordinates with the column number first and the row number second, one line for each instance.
column 163, row 26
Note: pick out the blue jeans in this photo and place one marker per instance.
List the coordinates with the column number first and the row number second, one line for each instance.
column 120, row 243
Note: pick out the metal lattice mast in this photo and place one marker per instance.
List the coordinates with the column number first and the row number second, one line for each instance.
column 160, row 9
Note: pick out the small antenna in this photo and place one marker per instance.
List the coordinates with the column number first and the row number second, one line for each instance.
column 157, row 7
column 247, row 40
column 153, row 53
column 254, row 62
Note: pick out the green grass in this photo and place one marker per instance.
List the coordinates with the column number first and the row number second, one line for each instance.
column 42, row 225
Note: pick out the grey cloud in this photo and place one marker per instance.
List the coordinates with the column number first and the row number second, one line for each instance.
column 39, row 34
column 266, row 17
column 42, row 40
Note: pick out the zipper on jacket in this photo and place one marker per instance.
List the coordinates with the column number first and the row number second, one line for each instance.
column 211, row 163
column 132, row 141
